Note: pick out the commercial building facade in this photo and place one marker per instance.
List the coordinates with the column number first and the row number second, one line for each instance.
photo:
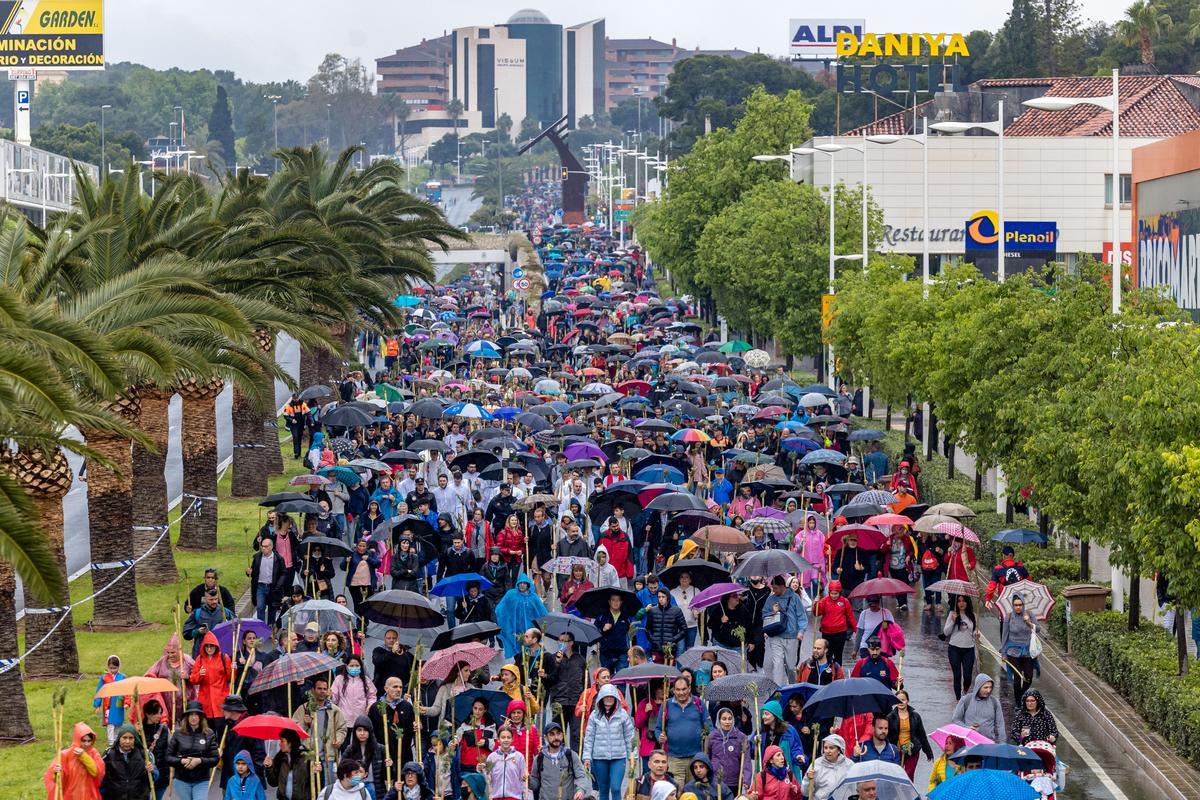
column 1057, row 166
column 1166, row 208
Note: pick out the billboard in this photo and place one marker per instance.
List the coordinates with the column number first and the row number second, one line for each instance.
column 1028, row 245
column 1169, row 255
column 52, row 34
column 816, row 39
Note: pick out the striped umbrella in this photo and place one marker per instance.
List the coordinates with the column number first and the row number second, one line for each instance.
column 291, row 668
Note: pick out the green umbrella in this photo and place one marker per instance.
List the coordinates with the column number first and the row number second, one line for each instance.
column 431, row 344
column 344, row 474
column 736, row 346
column 385, row 391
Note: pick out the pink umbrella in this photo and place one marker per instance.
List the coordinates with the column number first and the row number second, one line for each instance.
column 956, row 530
column 968, row 735
column 768, row 512
column 713, row 594
column 476, row 655
column 309, row 480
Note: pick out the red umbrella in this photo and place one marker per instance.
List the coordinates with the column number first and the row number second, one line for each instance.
column 771, row 412
column 869, row 537
column 267, row 726
column 881, row 586
column 634, row 387
column 889, row 519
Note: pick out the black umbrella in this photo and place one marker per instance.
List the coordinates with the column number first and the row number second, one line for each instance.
column 334, row 548
column 703, row 572
column 601, row 505
column 343, row 417
column 658, row 458
column 845, row 488
column 533, row 422
column 676, row 501
column 272, row 500
column 545, row 410
column 582, row 463
column 645, row 673
column 427, row 409
column 468, row 632
column 636, row 454
column 594, row 601
column 429, row 444
column 401, row 609
column 556, row 624
column 401, row 457
column 482, row 459
column 769, row 563
column 496, row 471
column 860, row 510
column 574, row 430
column 298, row 507
column 315, row 391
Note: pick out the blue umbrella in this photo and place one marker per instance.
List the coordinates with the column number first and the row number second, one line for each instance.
column 798, row 444
column 497, row 703
column 483, row 352
column 456, row 585
column 796, row 427
column 408, row 301
column 824, row 456
column 1020, row 536
column 660, row 473
column 1000, row 756
column 804, row 690
column 989, row 783
column 506, row 413
column 850, row 697
column 866, row 435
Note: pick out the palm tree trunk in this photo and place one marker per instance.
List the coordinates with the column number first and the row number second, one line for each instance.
column 309, row 367
column 150, row 500
column 58, row 657
column 198, row 530
column 14, row 723
column 250, row 467
column 110, row 529
column 270, row 442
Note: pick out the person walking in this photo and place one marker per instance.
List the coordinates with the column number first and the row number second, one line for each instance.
column 680, row 728
column 1033, row 722
column 980, row 709
column 835, row 619
column 1016, row 641
column 192, row 753
column 906, row 730
column 606, row 742
column 827, row 772
column 961, row 633
column 557, row 772
column 784, row 623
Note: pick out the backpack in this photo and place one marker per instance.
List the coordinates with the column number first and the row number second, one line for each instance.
column 539, row 759
column 930, row 562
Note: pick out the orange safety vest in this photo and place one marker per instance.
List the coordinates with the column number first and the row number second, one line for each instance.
column 393, row 347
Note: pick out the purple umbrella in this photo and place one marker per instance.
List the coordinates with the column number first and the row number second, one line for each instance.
column 578, row 450
column 713, row 594
column 225, row 632
column 769, row 513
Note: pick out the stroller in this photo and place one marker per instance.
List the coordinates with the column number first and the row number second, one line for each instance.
column 1052, row 777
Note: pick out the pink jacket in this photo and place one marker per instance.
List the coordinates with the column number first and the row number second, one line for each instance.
column 506, row 775
column 348, row 695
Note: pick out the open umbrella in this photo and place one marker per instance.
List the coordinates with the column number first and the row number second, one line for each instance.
column 401, row 609
column 272, row 500
column 592, row 602
column 779, row 529
column 954, row 587
column 310, row 480
column 298, row 507
column 1019, row 536
column 227, row 631
column 722, row 539
column 850, row 697
column 1000, row 756
column 968, row 735
column 343, row 417
column 562, row 565
column 882, row 586
column 468, row 632
column 693, row 657
column 316, row 391
column 857, row 510
column 343, row 474
column 987, row 783
column 1039, row 601
column 440, row 664
column 956, row 530
column 928, row 522
column 645, row 673
column 676, row 501
column 334, row 548
column 702, row 572
column 293, row 667
column 743, row 686
column 556, row 624
column 867, row 435
column 456, row 585
column 711, row 595
column 880, row 497
column 497, row 704
column 956, row 510
column 328, row 615
column 267, row 726
column 891, row 781
column 769, row 563
column 139, row 684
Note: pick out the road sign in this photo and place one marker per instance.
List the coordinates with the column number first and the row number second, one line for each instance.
column 518, row 272
column 621, row 214
column 521, row 284
column 537, row 239
column 23, row 100
column 22, row 74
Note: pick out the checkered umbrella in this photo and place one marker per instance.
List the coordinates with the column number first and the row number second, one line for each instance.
column 291, row 668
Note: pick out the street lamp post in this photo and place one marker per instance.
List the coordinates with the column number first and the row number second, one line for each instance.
column 922, row 139
column 834, row 148
column 275, row 98
column 997, row 128
column 103, row 160
column 1111, row 103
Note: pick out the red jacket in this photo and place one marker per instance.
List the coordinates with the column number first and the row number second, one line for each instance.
column 768, row 787
column 511, row 543
column 211, row 675
column 954, row 564
column 837, row 616
column 618, row 553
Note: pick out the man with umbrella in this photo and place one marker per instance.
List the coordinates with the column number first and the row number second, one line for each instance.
column 784, row 624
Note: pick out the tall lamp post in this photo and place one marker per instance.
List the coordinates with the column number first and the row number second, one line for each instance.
column 922, row 139
column 832, row 148
column 1111, row 103
column 103, row 160
column 997, row 128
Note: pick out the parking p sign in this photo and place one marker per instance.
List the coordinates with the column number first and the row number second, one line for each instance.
column 23, row 100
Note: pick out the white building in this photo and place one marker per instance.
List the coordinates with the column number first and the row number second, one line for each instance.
column 1057, row 165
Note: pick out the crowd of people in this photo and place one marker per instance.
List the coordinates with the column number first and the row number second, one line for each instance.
column 648, row 556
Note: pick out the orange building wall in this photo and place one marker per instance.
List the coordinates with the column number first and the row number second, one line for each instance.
column 1168, row 157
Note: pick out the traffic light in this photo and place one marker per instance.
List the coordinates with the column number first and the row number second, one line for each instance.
column 565, row 172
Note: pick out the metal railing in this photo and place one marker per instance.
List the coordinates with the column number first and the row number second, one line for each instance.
column 37, row 179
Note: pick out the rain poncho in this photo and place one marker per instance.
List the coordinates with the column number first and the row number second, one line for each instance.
column 517, row 612
column 81, row 774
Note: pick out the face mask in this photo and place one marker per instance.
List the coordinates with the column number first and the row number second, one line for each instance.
column 354, row 672
column 356, row 780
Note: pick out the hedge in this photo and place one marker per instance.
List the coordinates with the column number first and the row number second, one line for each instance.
column 1141, row 666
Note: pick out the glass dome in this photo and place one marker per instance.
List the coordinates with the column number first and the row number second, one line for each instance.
column 529, row 16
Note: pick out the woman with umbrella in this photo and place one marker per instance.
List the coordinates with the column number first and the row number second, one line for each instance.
column 849, row 565
column 571, row 590
column 475, row 737
column 317, row 572
column 474, row 606
column 517, row 612
column 1016, row 637
column 810, row 544
column 406, row 566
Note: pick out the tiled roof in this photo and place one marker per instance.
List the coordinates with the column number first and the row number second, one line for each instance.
column 1151, row 106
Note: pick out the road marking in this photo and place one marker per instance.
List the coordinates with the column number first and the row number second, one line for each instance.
column 1076, row 745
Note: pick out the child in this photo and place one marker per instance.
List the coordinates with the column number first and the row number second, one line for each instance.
column 111, row 709
column 506, row 770
column 244, row 785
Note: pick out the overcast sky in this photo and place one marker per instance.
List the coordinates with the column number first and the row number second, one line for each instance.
column 276, row 39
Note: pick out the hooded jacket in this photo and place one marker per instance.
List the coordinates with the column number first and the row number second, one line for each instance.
column 519, row 693
column 769, row 787
column 706, row 789
column 725, row 754
column 369, row 753
column 526, row 739
column 517, row 612
column 786, row 740
column 81, row 774
column 985, row 714
column 211, row 675
column 506, row 773
column 125, row 775
column 248, row 787
column 608, row 737
column 419, row 770
column 1041, row 723
column 828, row 774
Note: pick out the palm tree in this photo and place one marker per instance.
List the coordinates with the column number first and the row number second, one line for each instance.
column 1144, row 21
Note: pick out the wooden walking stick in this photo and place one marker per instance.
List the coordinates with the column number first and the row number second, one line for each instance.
column 812, row 785
column 742, row 766
column 387, row 749
column 57, row 712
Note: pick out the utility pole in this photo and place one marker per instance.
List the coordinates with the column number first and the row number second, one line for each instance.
column 103, row 160
column 500, row 161
column 274, row 98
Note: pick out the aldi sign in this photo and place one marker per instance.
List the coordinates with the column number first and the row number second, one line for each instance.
column 816, row 39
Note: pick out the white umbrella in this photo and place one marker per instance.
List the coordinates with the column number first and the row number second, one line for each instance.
column 891, row 781
column 813, row 400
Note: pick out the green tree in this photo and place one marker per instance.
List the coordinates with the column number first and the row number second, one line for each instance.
column 82, row 143
column 1144, row 22
column 504, row 124
column 220, row 129
column 530, row 127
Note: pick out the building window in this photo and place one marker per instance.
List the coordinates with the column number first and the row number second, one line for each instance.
column 484, row 33
column 1126, row 189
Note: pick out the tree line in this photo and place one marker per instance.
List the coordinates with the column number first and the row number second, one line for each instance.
column 129, row 299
